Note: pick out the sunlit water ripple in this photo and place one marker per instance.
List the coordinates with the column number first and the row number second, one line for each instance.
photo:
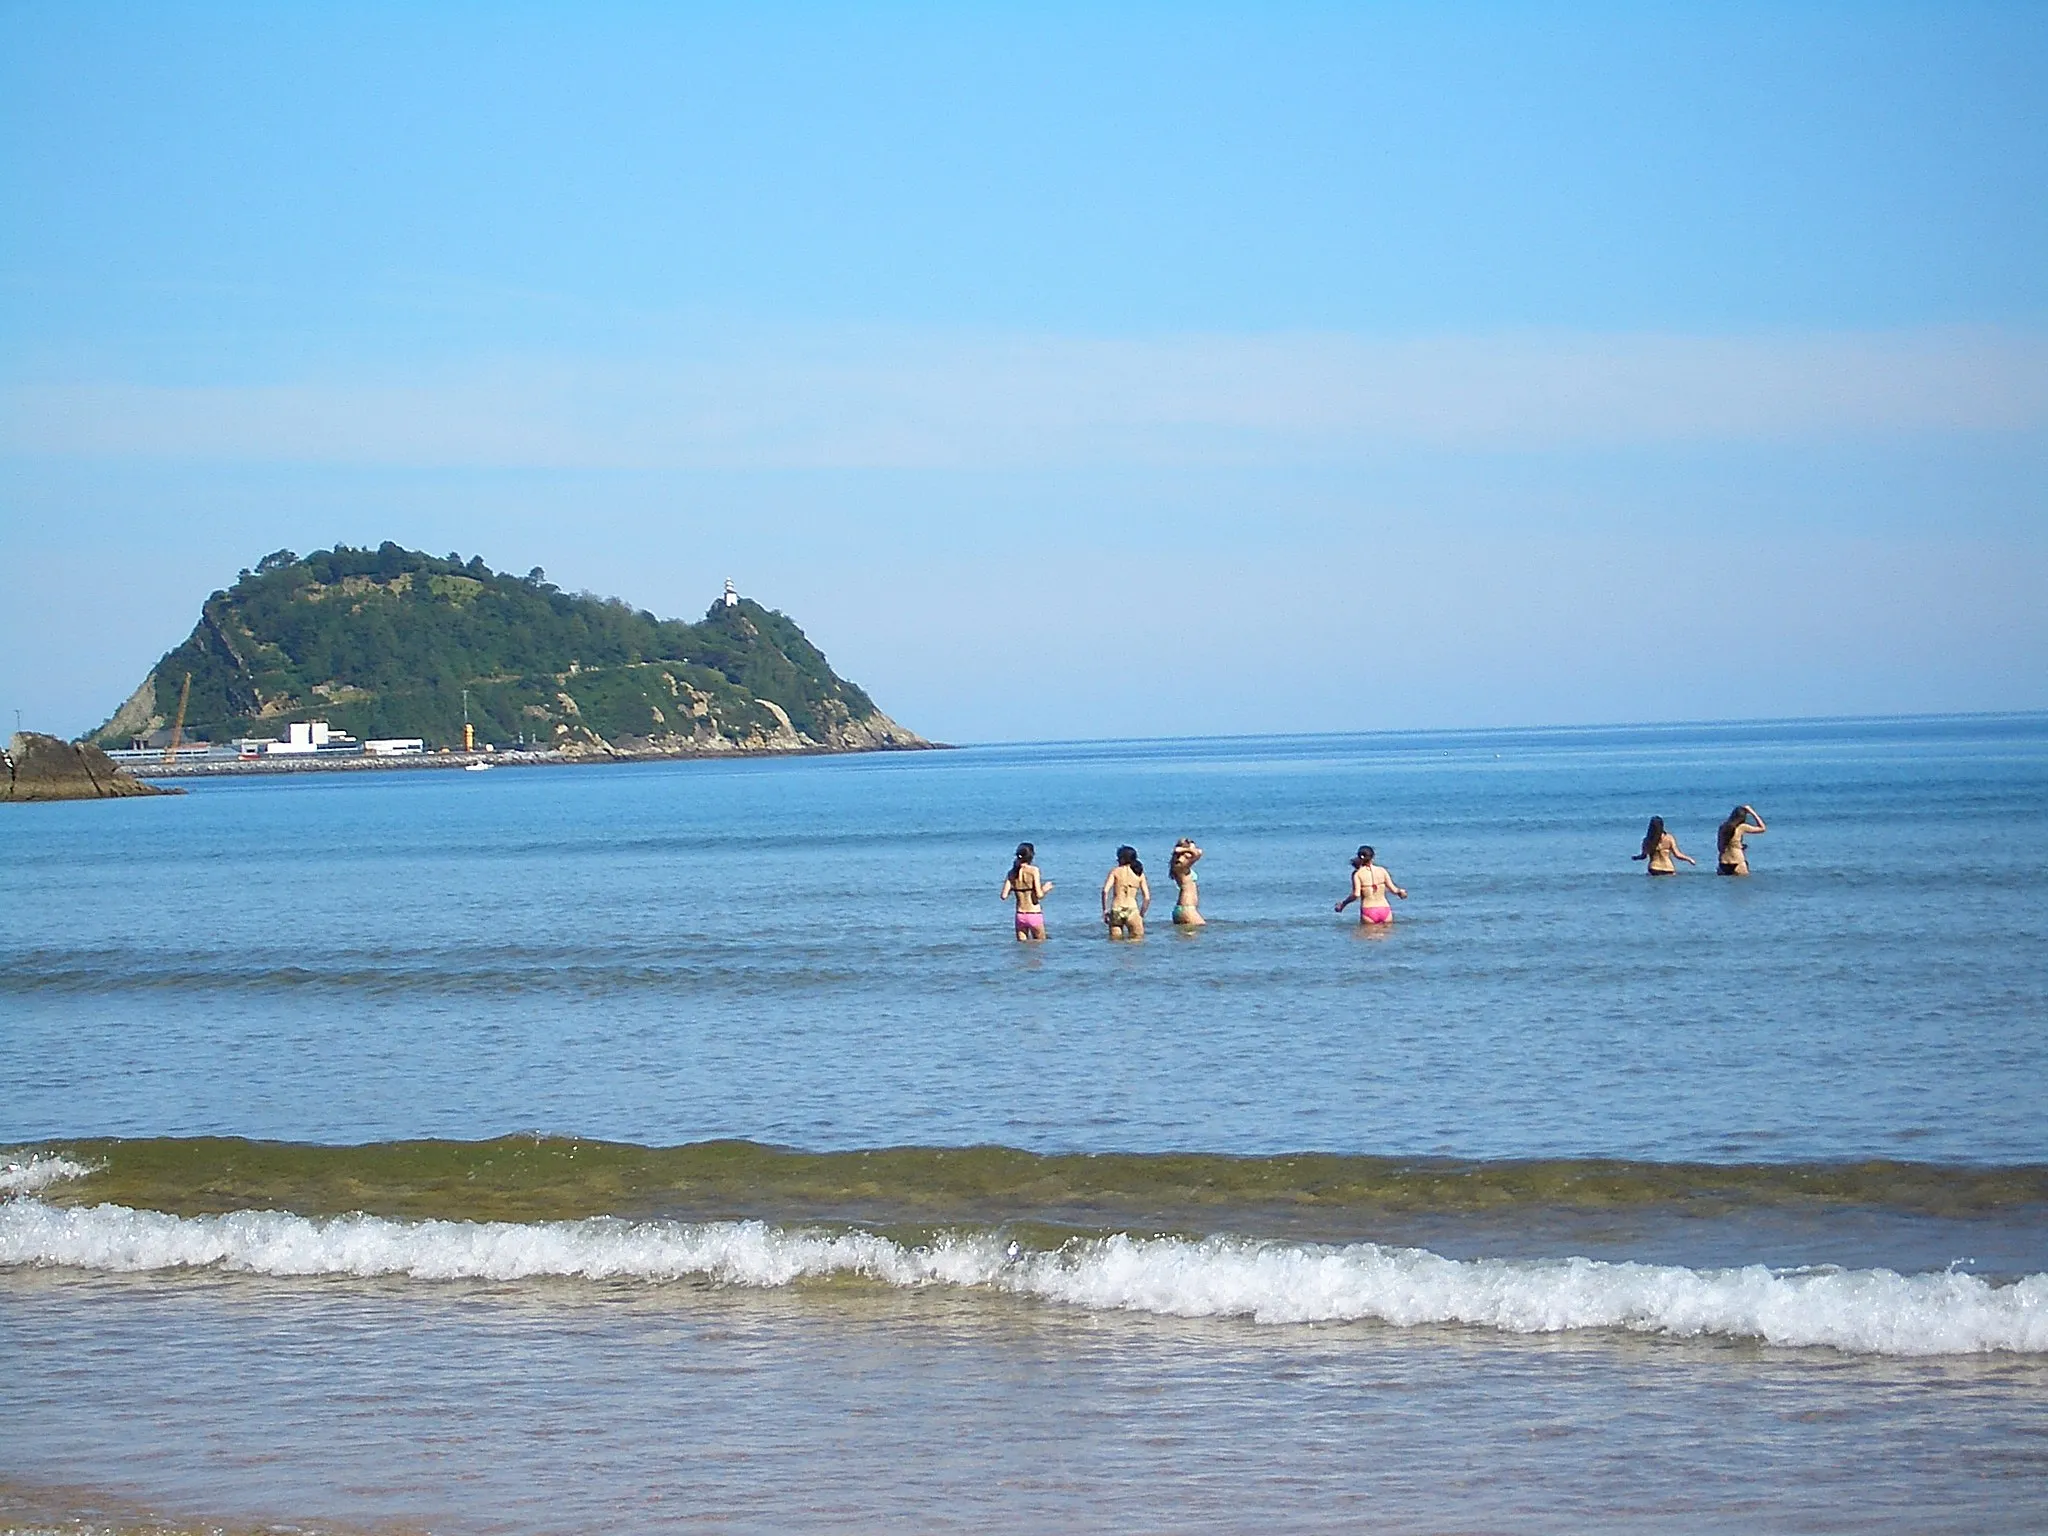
column 812, row 953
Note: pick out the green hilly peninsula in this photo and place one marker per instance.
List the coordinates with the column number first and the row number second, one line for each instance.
column 383, row 642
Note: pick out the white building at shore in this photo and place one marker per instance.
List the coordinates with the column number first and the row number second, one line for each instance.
column 311, row 736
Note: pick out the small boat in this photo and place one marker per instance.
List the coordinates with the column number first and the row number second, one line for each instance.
column 476, row 767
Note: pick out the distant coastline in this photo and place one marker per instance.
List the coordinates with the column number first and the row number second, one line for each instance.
column 397, row 651
column 256, row 767
column 514, row 757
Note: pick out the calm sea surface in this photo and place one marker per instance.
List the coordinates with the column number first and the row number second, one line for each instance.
column 811, row 953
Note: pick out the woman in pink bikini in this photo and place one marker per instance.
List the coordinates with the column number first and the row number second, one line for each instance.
column 1028, row 887
column 1369, row 887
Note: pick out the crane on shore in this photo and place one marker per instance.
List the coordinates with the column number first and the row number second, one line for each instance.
column 178, row 725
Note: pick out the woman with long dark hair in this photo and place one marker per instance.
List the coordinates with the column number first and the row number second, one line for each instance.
column 1028, row 888
column 1741, row 823
column 1660, row 848
column 1126, row 896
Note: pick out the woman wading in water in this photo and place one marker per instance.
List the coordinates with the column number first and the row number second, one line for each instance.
column 1660, row 848
column 1029, row 888
column 1369, row 887
column 1741, row 821
column 1126, row 896
column 1181, row 869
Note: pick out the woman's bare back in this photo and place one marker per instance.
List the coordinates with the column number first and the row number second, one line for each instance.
column 1027, row 886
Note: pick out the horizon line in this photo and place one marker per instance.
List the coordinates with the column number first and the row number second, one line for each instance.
column 1496, row 730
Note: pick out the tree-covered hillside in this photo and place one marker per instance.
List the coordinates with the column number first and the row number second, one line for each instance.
column 382, row 642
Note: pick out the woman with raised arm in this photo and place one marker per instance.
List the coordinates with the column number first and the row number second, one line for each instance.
column 1028, row 888
column 1741, row 823
column 1369, row 888
column 1181, row 869
column 1126, row 896
column 1660, row 848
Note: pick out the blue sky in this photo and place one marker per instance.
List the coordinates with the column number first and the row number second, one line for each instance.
column 1065, row 371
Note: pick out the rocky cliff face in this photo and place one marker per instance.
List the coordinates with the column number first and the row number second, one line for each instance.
column 42, row 767
column 137, row 717
column 874, row 732
column 393, row 642
column 699, row 723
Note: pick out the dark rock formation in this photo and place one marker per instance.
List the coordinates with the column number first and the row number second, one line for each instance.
column 42, row 767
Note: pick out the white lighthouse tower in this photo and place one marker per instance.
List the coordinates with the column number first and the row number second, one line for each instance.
column 732, row 594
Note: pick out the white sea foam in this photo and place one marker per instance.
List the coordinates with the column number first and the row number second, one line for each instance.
column 1872, row 1311
column 25, row 1173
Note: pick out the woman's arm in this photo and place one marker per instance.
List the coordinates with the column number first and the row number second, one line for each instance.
column 1144, row 895
column 1108, row 885
column 1009, row 889
column 1756, row 822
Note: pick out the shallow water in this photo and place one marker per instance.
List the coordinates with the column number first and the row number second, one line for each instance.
column 586, row 1407
column 1679, row 1084
column 812, row 951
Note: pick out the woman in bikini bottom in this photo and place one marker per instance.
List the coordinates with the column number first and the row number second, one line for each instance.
column 1126, row 896
column 1370, row 887
column 1660, row 848
column 1181, row 868
column 1028, row 888
column 1742, row 822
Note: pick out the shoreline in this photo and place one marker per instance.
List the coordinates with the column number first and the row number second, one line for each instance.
column 242, row 766
column 35, row 1508
column 515, row 758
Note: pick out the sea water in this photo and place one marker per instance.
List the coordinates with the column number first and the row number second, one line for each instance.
column 1693, row 1203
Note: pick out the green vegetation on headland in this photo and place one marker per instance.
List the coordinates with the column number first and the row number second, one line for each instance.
column 526, row 1178
column 382, row 643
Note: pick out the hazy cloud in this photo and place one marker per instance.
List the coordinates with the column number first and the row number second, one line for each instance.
column 897, row 400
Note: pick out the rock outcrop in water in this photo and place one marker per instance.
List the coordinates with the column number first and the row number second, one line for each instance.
column 43, row 767
column 393, row 643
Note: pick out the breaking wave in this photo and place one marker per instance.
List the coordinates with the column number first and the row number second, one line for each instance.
column 1870, row 1311
column 25, row 1173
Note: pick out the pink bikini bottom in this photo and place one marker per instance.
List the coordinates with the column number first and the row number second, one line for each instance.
column 1030, row 922
column 1375, row 914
